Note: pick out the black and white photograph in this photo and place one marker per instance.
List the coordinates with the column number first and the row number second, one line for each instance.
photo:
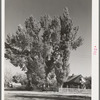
column 47, row 50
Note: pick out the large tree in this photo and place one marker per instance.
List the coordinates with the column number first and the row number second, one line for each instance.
column 43, row 47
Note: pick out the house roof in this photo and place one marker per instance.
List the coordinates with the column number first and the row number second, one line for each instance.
column 75, row 79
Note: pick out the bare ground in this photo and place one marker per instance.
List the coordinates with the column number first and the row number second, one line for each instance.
column 31, row 95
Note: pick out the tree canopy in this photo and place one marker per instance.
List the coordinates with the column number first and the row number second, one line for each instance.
column 43, row 46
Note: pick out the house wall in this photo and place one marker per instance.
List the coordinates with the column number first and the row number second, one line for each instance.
column 72, row 85
column 81, row 86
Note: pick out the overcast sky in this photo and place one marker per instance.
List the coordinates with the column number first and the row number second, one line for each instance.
column 16, row 11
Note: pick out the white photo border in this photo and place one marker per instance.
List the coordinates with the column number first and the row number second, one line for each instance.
column 95, row 42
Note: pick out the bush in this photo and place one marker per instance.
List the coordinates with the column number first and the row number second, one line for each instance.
column 11, row 72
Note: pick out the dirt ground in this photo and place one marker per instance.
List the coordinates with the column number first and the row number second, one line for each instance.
column 30, row 95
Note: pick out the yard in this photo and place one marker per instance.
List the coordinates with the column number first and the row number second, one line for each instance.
column 30, row 95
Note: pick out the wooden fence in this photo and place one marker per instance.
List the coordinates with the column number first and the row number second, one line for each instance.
column 75, row 91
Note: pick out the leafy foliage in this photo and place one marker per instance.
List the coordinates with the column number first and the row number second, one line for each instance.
column 88, row 82
column 43, row 46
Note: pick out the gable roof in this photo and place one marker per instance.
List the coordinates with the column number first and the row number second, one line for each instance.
column 70, row 78
column 76, row 79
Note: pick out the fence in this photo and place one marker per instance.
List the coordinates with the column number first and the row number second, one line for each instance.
column 75, row 91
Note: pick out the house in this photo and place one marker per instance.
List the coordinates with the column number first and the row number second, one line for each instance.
column 75, row 81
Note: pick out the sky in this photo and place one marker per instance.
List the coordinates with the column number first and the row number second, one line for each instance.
column 16, row 11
